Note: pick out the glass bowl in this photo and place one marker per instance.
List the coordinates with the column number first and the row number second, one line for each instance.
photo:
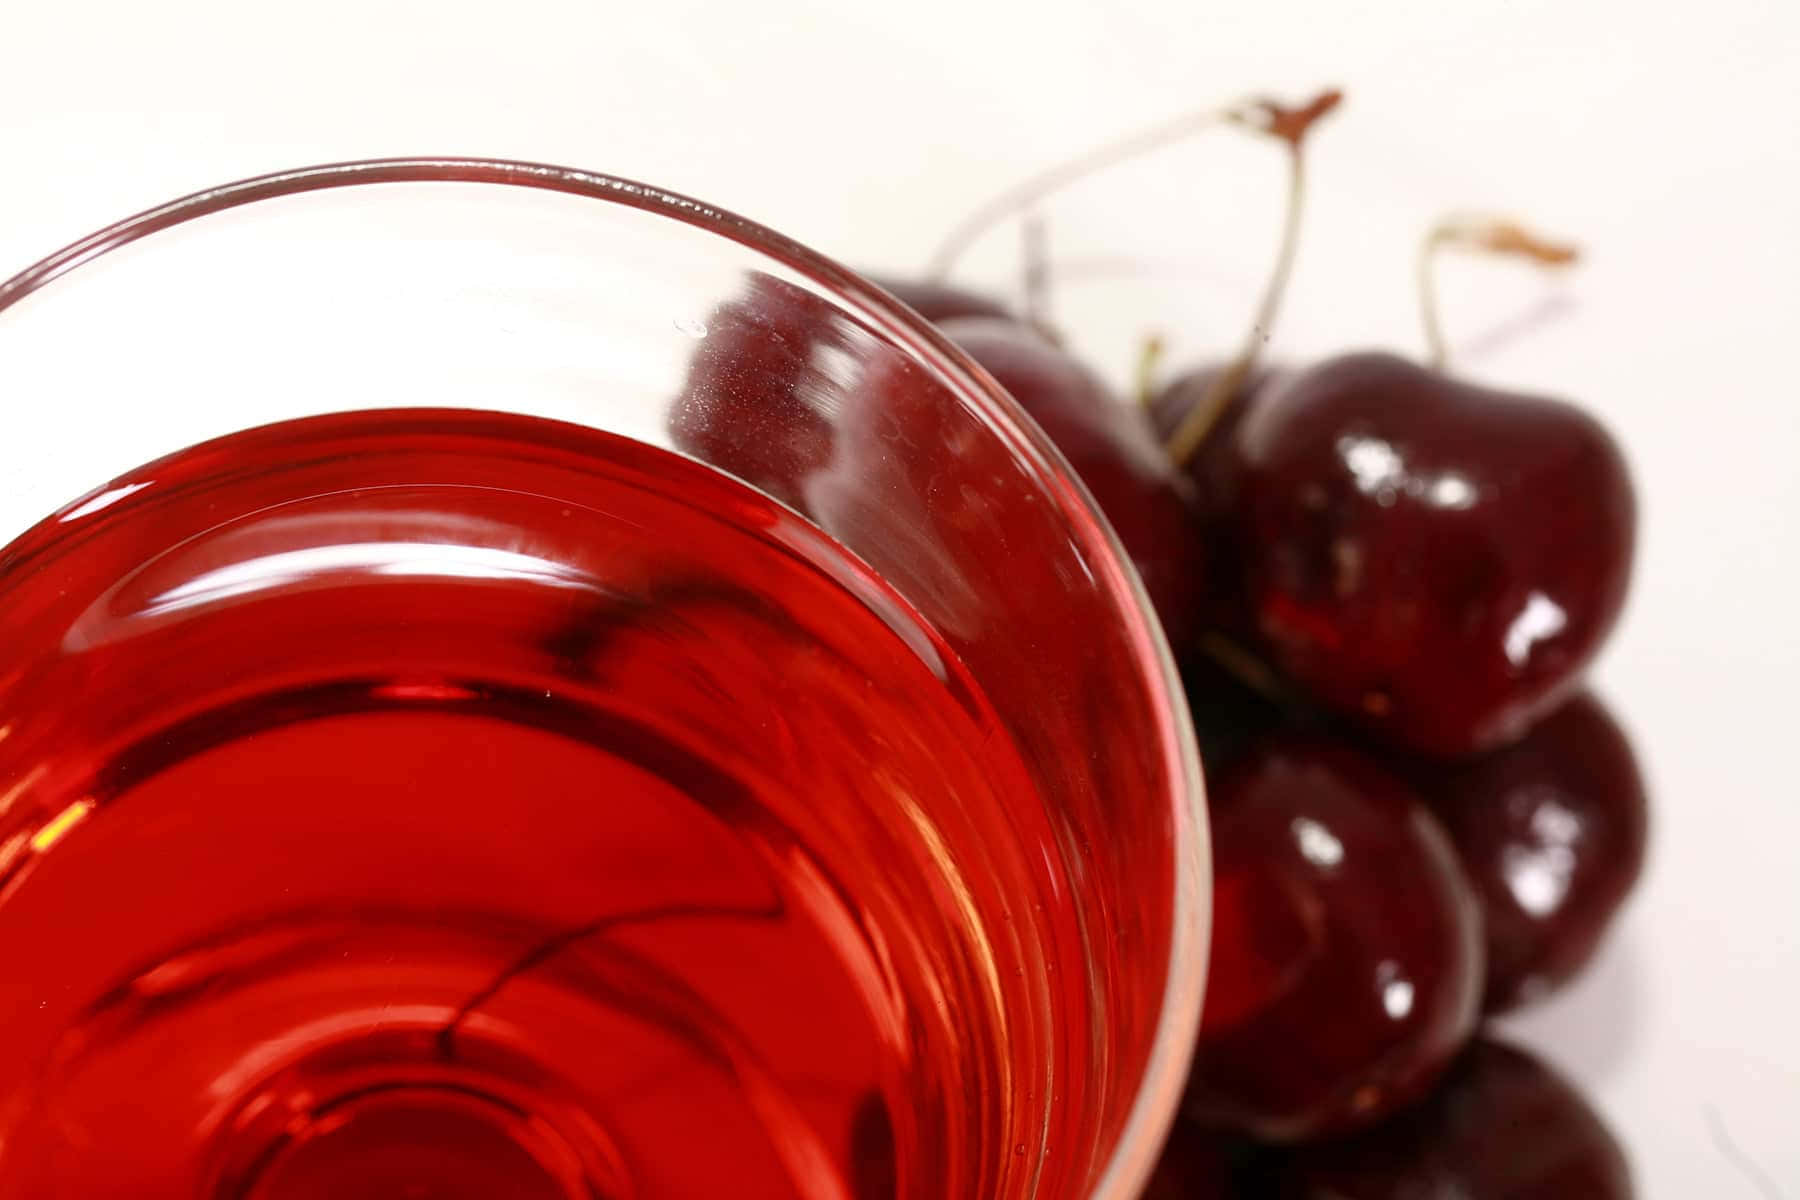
column 446, row 284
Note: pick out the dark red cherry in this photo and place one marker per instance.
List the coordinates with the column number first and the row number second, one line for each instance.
column 1213, row 469
column 1346, row 946
column 900, row 440
column 1501, row 1126
column 1111, row 447
column 1551, row 832
column 1196, row 1164
column 938, row 302
column 1212, row 464
column 751, row 402
column 1434, row 559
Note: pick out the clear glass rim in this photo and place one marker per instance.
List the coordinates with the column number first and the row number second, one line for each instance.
column 1159, row 1091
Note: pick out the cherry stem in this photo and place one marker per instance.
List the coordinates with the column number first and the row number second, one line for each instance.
column 1246, row 668
column 1029, row 192
column 1149, row 362
column 1488, row 235
column 1291, row 126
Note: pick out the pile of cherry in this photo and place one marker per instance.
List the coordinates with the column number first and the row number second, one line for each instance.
column 1384, row 583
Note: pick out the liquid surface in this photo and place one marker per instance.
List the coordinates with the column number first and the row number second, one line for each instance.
column 449, row 805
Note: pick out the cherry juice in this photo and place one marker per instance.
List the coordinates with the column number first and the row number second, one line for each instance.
column 452, row 805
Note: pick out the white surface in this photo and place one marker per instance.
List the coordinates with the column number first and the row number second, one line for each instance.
column 1663, row 136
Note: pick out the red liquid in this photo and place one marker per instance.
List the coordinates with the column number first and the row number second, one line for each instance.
column 453, row 806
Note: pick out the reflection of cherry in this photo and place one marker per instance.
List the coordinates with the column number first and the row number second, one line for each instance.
column 874, row 1164
column 1551, row 832
column 1434, row 559
column 1501, row 1127
column 1111, row 448
column 1346, row 946
column 754, row 399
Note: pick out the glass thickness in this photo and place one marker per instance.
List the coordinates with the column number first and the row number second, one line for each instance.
column 586, row 698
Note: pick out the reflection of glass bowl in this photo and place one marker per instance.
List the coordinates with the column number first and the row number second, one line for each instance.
column 592, row 300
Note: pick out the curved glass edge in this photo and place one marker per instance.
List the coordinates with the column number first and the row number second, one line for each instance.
column 1158, row 1092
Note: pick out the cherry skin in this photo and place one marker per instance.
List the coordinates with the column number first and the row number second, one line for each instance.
column 1501, row 1126
column 938, row 302
column 1196, row 1164
column 1435, row 560
column 749, row 402
column 1214, row 469
column 1551, row 832
column 1346, row 949
column 1113, row 451
column 1213, row 465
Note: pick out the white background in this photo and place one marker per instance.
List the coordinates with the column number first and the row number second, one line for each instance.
column 1663, row 136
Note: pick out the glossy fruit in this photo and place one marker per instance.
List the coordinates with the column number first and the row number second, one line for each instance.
column 938, row 302
column 1196, row 1164
column 1501, row 1126
column 1346, row 959
column 1551, row 832
column 1434, row 559
column 1213, row 471
column 749, row 404
column 1111, row 447
column 1212, row 466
